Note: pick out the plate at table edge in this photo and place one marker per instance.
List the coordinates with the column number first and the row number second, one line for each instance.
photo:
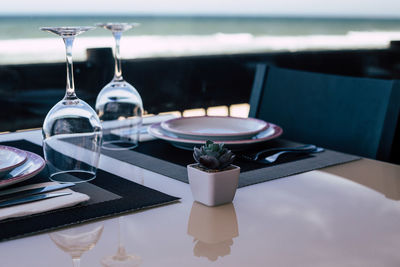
column 32, row 158
column 272, row 132
column 18, row 153
column 175, row 125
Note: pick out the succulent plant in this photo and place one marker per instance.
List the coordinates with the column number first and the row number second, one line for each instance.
column 213, row 156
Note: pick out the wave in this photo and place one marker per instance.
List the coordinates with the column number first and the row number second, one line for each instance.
column 21, row 51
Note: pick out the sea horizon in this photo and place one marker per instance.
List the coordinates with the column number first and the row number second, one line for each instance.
column 21, row 41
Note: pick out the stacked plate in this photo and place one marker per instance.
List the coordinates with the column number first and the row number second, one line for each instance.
column 17, row 165
column 236, row 133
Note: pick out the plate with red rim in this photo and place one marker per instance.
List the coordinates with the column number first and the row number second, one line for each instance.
column 215, row 128
column 33, row 165
column 10, row 158
column 273, row 131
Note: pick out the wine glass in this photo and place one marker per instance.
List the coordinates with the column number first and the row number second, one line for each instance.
column 119, row 104
column 76, row 241
column 121, row 258
column 72, row 132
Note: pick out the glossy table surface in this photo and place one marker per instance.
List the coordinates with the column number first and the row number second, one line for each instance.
column 346, row 215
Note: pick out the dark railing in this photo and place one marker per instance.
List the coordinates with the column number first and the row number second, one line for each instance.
column 28, row 91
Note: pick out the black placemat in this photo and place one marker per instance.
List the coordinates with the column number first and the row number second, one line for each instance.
column 110, row 195
column 161, row 157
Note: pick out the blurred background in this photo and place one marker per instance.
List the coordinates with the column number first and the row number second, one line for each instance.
column 181, row 28
column 187, row 57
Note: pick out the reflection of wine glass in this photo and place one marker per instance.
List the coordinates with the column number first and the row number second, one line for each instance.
column 119, row 104
column 213, row 229
column 71, row 120
column 77, row 240
column 121, row 258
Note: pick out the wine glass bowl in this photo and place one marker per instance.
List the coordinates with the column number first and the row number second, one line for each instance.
column 72, row 132
column 77, row 240
column 119, row 105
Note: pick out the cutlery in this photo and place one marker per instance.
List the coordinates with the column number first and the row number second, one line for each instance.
column 27, row 191
column 274, row 157
column 19, row 170
column 256, row 156
column 27, row 199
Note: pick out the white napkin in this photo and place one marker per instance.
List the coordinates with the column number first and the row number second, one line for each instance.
column 43, row 205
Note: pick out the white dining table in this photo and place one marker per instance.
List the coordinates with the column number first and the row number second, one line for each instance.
column 345, row 215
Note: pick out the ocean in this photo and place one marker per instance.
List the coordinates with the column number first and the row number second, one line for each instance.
column 22, row 42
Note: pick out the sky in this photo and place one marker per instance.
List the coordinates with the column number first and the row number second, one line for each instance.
column 332, row 8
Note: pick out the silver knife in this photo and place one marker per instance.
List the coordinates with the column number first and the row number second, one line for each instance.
column 17, row 201
column 21, row 192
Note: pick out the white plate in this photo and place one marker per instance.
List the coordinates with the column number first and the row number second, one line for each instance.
column 215, row 127
column 10, row 158
column 273, row 131
column 32, row 166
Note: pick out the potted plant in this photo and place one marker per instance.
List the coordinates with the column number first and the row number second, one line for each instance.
column 213, row 179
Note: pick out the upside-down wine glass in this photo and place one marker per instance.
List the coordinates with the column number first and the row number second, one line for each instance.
column 72, row 133
column 119, row 104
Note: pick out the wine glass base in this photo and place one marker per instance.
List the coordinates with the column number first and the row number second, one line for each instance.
column 117, row 145
column 72, row 176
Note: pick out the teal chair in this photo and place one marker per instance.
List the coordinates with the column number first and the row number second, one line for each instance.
column 348, row 114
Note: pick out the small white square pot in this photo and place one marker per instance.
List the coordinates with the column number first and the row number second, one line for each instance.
column 213, row 188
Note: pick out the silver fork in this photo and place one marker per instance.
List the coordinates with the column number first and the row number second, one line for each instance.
column 274, row 157
column 258, row 155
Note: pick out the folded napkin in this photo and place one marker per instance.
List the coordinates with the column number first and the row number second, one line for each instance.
column 43, row 205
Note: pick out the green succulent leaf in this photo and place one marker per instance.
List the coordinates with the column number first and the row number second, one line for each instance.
column 213, row 156
column 208, row 143
column 196, row 154
column 209, row 162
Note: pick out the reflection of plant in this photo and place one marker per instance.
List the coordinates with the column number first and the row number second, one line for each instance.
column 212, row 251
column 213, row 156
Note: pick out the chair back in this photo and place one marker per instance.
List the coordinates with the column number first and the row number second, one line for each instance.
column 348, row 114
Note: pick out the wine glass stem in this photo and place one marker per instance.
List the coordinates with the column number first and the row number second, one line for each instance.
column 70, row 94
column 76, row 262
column 121, row 241
column 117, row 56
